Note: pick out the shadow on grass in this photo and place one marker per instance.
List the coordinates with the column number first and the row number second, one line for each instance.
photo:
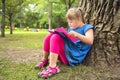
column 26, row 71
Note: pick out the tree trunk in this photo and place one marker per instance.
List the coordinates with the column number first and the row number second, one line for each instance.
column 50, row 15
column 20, row 25
column 104, row 15
column 10, row 21
column 70, row 2
column 58, row 20
column 3, row 19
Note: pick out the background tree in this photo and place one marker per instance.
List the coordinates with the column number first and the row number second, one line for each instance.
column 58, row 12
column 31, row 19
column 3, row 19
column 13, row 7
column 53, row 16
column 35, row 13
column 59, row 15
column 105, row 16
column 68, row 3
column 50, row 14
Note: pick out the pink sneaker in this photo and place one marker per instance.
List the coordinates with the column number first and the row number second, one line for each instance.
column 49, row 72
column 41, row 64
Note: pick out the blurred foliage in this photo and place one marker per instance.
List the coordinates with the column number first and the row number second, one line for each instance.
column 34, row 13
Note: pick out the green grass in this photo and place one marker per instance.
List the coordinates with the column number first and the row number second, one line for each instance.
column 11, row 71
column 24, row 40
column 25, row 71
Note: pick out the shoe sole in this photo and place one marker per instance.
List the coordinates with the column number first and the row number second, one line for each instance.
column 48, row 76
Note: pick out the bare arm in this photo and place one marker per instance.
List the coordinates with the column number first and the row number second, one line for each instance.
column 87, row 38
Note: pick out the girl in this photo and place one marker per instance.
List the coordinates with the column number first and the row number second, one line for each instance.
column 59, row 46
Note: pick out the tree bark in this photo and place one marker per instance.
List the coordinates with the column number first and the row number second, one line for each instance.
column 50, row 15
column 70, row 2
column 10, row 21
column 3, row 19
column 104, row 15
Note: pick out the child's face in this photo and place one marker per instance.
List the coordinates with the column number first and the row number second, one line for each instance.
column 73, row 23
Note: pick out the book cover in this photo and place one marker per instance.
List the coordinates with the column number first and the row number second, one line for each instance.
column 63, row 30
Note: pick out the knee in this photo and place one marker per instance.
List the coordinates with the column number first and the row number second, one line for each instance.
column 47, row 37
column 56, row 37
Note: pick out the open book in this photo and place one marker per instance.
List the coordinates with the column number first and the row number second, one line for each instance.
column 61, row 29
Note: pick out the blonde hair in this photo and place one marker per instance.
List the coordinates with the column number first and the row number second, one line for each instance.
column 75, row 13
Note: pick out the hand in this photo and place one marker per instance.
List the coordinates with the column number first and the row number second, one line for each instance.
column 73, row 33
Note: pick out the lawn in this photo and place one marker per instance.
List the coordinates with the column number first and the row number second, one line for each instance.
column 20, row 51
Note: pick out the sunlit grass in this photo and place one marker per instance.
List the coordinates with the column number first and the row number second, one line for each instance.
column 23, row 40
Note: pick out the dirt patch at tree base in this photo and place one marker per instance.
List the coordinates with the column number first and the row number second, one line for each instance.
column 18, row 56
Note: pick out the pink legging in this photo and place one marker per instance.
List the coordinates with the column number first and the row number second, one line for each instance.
column 55, row 43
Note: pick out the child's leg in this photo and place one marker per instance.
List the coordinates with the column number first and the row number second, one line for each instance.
column 53, row 59
column 46, row 47
column 57, row 50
